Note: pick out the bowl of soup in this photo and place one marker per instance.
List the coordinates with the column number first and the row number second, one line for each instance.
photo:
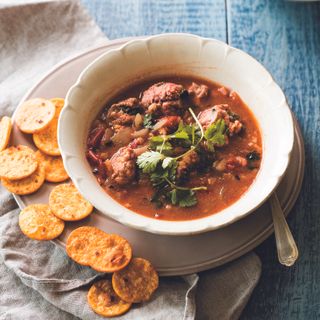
column 175, row 134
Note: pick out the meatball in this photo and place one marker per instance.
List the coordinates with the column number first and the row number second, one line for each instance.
column 122, row 166
column 212, row 114
column 220, row 111
column 188, row 162
column 123, row 113
column 163, row 98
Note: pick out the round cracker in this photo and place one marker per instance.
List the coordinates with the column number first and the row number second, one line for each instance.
column 35, row 115
column 89, row 246
column 136, row 282
column 17, row 162
column 79, row 242
column 110, row 253
column 68, row 204
column 47, row 140
column 5, row 131
column 27, row 185
column 104, row 301
column 55, row 171
column 37, row 222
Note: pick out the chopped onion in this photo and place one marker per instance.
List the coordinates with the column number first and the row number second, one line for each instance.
column 138, row 121
column 107, row 136
column 122, row 137
column 160, row 124
column 140, row 150
column 141, row 133
column 220, row 165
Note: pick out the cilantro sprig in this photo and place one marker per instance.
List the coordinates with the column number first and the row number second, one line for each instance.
column 215, row 134
column 185, row 136
column 148, row 121
column 162, row 174
column 161, row 166
column 149, row 160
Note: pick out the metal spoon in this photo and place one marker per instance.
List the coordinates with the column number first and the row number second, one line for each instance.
column 286, row 246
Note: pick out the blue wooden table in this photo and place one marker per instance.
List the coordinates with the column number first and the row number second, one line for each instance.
column 285, row 37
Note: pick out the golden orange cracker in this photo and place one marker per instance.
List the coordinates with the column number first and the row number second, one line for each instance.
column 5, row 131
column 26, row 185
column 55, row 171
column 68, row 204
column 35, row 115
column 110, row 253
column 47, row 140
column 137, row 282
column 79, row 242
column 17, row 162
column 37, row 222
column 104, row 301
column 92, row 247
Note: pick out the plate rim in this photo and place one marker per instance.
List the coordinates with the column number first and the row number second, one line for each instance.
column 229, row 256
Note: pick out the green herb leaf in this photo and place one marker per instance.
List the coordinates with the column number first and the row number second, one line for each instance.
column 215, row 134
column 156, row 140
column 188, row 200
column 173, row 197
column 181, row 135
column 162, row 168
column 183, row 198
column 193, row 135
column 157, row 178
column 167, row 162
column 148, row 121
column 158, row 143
column 165, row 147
column 149, row 160
column 185, row 132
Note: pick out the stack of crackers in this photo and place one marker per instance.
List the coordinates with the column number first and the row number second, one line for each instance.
column 23, row 171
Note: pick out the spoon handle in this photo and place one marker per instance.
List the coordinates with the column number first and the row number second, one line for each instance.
column 286, row 246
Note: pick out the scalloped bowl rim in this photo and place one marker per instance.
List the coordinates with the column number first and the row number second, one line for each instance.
column 165, row 227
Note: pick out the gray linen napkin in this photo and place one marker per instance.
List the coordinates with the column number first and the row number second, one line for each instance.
column 38, row 280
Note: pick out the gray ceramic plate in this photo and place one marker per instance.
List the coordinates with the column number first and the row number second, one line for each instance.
column 171, row 255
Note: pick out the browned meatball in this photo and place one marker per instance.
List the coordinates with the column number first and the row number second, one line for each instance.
column 122, row 166
column 212, row 114
column 220, row 111
column 163, row 98
column 187, row 164
column 123, row 113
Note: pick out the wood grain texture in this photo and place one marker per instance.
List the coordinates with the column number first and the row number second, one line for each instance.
column 285, row 37
column 125, row 18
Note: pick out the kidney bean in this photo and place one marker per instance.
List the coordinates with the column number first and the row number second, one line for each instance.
column 95, row 137
column 92, row 157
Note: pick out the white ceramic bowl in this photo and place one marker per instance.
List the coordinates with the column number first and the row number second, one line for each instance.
column 181, row 54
